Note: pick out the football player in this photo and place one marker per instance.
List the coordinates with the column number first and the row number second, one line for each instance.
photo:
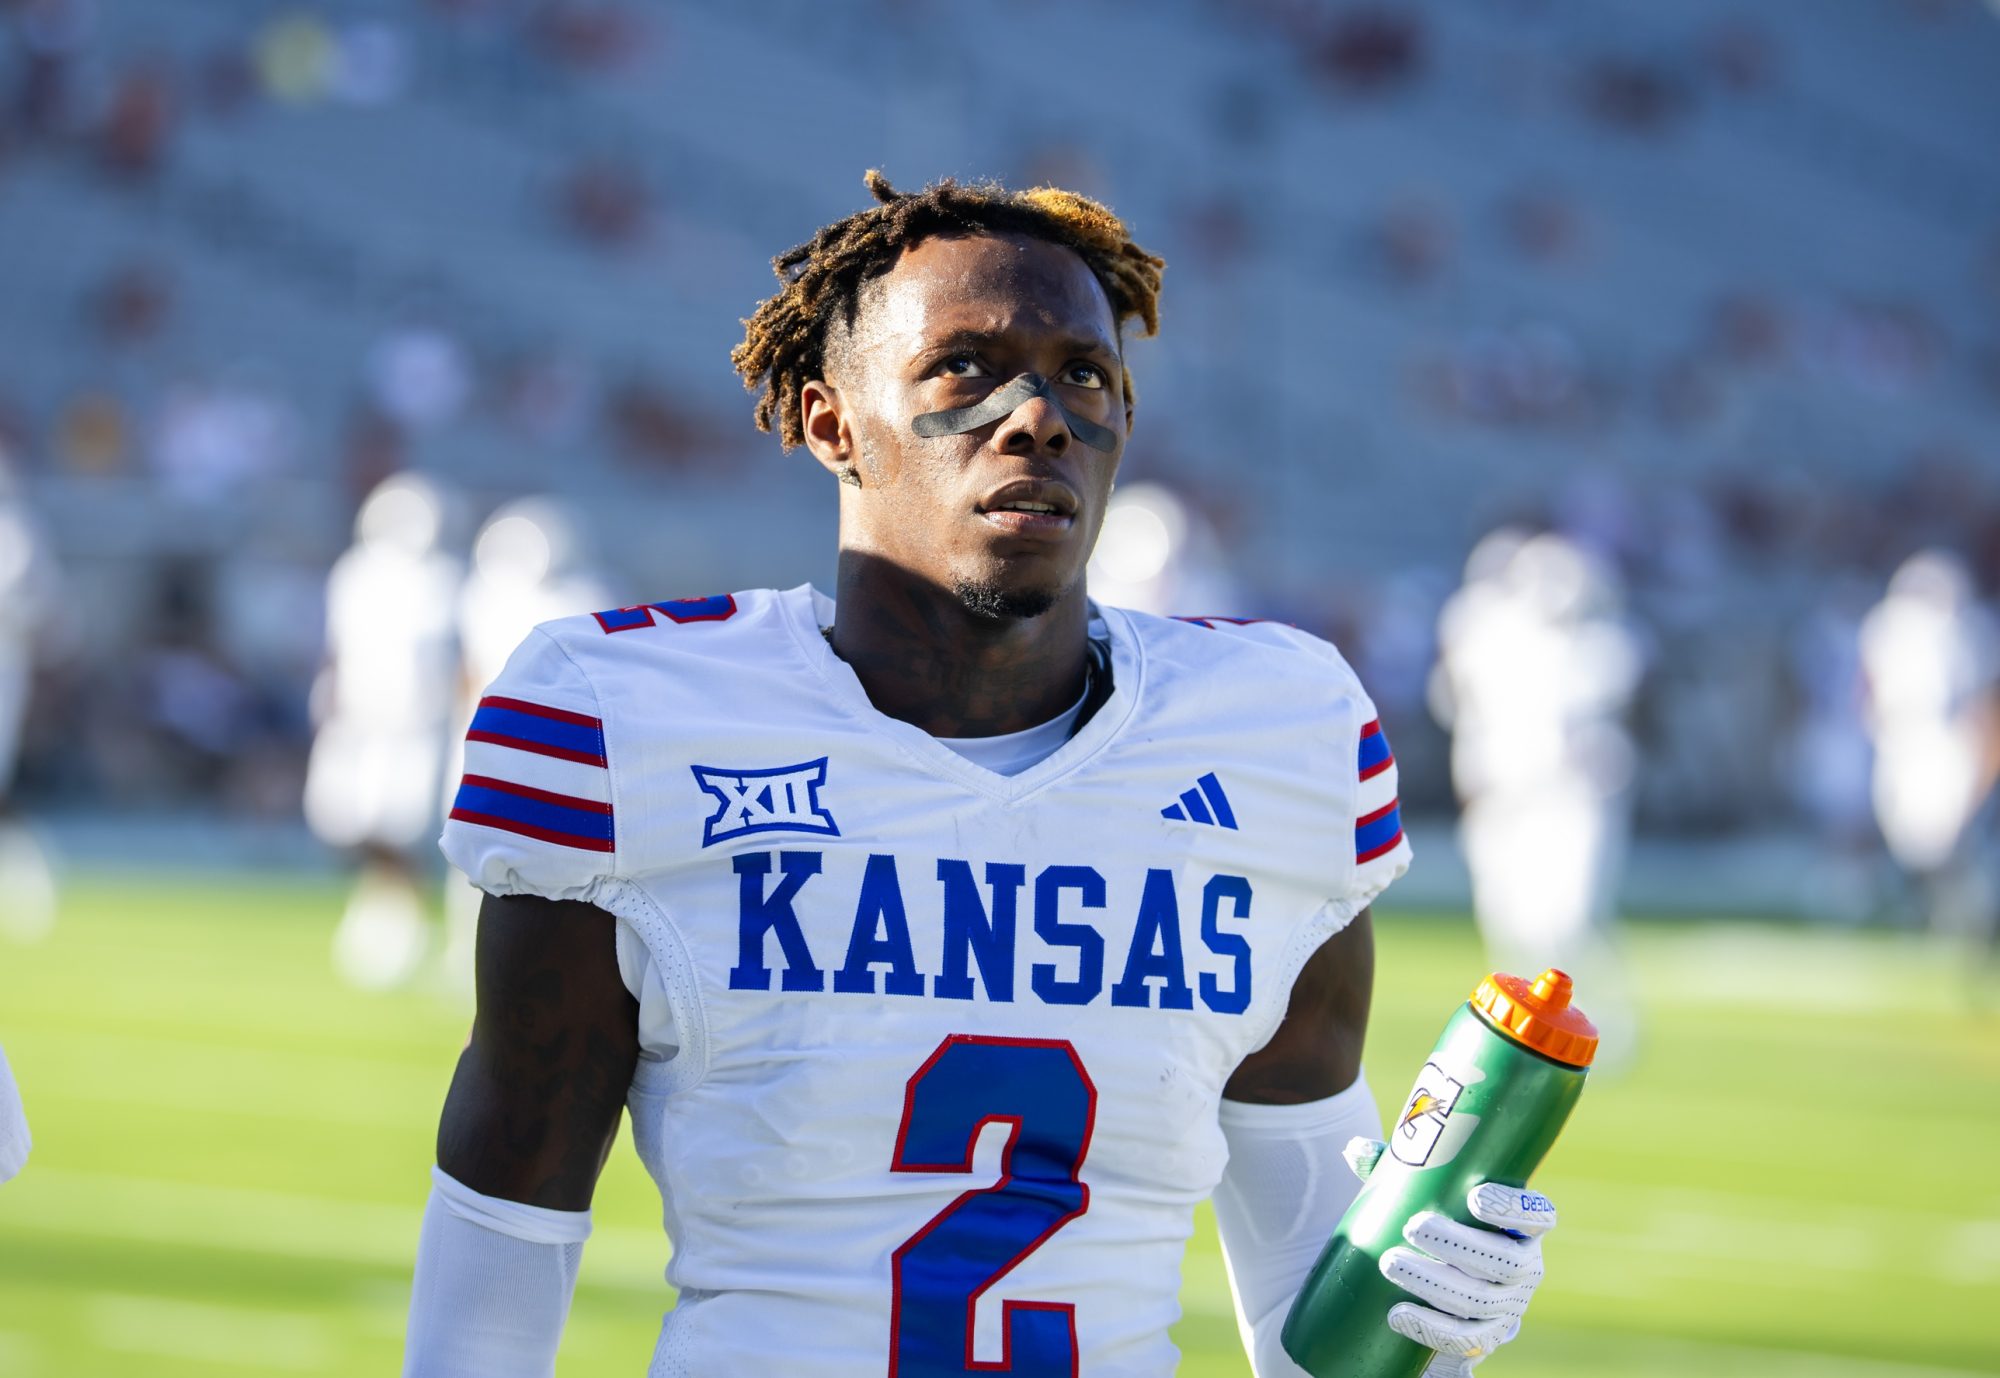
column 27, row 596
column 383, row 705
column 948, row 942
column 1931, row 653
column 528, row 567
column 14, row 1138
column 1535, row 673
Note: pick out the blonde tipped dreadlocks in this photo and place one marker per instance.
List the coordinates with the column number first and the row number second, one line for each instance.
column 784, row 343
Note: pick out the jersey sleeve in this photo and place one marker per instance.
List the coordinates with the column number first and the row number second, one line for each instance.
column 533, row 813
column 1381, row 851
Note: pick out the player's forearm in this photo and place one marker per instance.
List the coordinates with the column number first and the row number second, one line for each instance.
column 493, row 1285
column 1287, row 1112
column 1281, row 1195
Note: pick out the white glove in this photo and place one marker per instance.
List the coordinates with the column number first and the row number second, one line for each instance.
column 1477, row 1282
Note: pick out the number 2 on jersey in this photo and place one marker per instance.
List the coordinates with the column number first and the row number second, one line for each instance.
column 1040, row 1088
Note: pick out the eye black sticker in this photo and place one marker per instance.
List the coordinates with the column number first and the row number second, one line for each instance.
column 1006, row 401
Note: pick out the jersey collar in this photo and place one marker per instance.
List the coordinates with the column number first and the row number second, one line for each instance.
column 806, row 610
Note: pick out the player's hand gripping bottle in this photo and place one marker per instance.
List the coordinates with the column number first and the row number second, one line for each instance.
column 1487, row 1106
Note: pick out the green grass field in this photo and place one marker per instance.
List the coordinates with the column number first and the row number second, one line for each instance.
column 1795, row 1178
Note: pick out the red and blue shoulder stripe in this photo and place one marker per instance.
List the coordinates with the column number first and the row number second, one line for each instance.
column 532, row 727
column 562, row 749
column 1380, row 829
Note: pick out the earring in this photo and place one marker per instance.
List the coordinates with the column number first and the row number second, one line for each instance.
column 847, row 474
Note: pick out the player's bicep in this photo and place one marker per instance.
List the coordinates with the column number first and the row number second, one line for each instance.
column 534, row 1105
column 1316, row 1051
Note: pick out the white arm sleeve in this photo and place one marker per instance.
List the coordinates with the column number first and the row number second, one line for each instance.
column 13, row 1124
column 1283, row 1191
column 493, row 1285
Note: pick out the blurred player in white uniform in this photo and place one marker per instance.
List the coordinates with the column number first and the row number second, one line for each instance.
column 383, row 704
column 1536, row 668
column 27, row 886
column 27, row 883
column 14, row 1140
column 948, row 944
column 528, row 567
column 1830, row 757
column 1931, row 653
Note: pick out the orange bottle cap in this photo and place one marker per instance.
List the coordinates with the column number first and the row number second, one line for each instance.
column 1538, row 1015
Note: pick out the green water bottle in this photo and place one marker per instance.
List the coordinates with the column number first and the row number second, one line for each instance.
column 1488, row 1104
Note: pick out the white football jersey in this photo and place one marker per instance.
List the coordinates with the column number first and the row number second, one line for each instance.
column 389, row 636
column 931, row 1056
column 380, row 756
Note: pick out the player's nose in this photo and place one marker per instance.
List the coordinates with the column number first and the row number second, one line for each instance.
column 1035, row 427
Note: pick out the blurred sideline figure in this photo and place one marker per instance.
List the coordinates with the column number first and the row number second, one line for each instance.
column 27, row 884
column 383, row 706
column 527, row 568
column 1536, row 668
column 14, row 1141
column 1932, row 657
column 1829, row 757
column 1159, row 555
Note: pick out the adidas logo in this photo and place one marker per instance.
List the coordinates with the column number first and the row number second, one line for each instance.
column 1205, row 803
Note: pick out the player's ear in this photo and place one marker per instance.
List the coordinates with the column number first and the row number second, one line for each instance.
column 823, row 417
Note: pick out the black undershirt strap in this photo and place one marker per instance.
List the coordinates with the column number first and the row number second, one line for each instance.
column 1097, row 684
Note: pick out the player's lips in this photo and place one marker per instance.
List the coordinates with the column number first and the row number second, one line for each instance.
column 1031, row 506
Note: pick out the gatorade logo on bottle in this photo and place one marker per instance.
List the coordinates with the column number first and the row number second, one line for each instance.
column 1428, row 1132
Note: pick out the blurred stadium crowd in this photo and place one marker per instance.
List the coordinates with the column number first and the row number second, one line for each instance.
column 1691, row 286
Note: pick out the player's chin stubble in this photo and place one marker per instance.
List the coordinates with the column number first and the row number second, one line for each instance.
column 996, row 603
